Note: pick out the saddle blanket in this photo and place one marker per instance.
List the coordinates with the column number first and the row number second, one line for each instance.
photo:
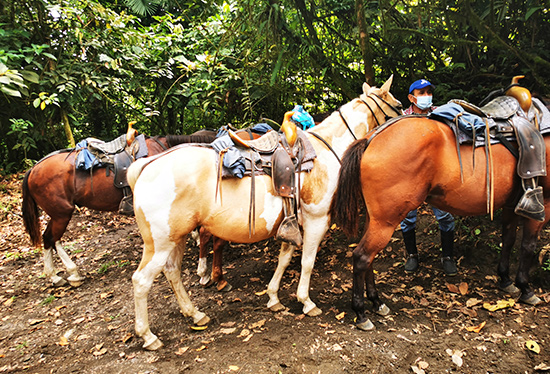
column 467, row 121
column 85, row 160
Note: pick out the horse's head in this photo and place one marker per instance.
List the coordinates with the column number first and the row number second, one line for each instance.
column 385, row 103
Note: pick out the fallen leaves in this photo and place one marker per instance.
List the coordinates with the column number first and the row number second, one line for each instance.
column 476, row 328
column 532, row 346
column 501, row 304
column 456, row 356
column 461, row 289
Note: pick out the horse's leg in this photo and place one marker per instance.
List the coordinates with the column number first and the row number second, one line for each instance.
column 509, row 234
column 172, row 271
column 51, row 238
column 217, row 263
column 49, row 269
column 314, row 231
column 152, row 263
column 376, row 237
column 285, row 255
column 528, row 251
column 75, row 279
column 202, row 269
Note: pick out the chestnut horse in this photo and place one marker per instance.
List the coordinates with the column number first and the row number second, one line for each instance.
column 176, row 192
column 54, row 185
column 416, row 160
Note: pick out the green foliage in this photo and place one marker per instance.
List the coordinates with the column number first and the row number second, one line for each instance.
column 178, row 66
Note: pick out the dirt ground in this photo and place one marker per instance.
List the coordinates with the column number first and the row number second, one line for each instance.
column 438, row 324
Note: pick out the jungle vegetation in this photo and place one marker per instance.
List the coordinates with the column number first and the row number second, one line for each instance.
column 70, row 69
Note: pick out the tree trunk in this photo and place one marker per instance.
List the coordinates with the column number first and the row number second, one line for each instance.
column 366, row 50
column 67, row 127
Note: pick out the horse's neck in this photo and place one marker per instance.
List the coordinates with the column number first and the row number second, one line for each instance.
column 334, row 126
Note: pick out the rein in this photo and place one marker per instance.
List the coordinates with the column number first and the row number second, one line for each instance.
column 387, row 117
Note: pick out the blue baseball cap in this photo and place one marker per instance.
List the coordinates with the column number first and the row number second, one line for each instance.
column 419, row 84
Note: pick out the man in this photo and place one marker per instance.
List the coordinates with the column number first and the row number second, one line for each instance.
column 420, row 96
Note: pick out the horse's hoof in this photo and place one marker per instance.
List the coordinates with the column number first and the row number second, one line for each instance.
column 277, row 307
column 383, row 310
column 203, row 321
column 531, row 300
column 365, row 326
column 154, row 345
column 59, row 282
column 224, row 286
column 314, row 312
column 206, row 283
column 510, row 289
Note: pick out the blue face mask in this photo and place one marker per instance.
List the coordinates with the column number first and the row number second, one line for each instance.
column 423, row 102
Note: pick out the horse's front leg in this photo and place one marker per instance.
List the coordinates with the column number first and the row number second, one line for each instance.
column 217, row 263
column 285, row 256
column 202, row 269
column 314, row 231
column 509, row 234
column 75, row 279
column 528, row 252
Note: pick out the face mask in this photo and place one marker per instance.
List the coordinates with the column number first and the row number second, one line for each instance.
column 424, row 102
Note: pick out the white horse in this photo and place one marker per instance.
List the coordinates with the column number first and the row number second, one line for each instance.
column 176, row 192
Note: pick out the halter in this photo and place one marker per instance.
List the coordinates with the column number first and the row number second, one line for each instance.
column 387, row 117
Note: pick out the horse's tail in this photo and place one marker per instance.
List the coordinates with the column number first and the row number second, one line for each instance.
column 135, row 170
column 30, row 213
column 348, row 198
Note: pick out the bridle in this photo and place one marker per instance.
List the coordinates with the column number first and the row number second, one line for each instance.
column 386, row 117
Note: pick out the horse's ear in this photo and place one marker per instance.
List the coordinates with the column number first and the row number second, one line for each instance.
column 386, row 86
column 366, row 88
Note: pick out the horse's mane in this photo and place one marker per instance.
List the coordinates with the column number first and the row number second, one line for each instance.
column 203, row 136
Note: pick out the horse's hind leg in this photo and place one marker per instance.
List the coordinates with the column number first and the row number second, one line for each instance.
column 509, row 234
column 528, row 251
column 173, row 274
column 52, row 239
column 152, row 263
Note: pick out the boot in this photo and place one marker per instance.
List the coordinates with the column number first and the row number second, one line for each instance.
column 531, row 204
column 447, row 260
column 409, row 237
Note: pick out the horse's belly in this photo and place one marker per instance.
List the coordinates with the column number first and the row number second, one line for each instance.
column 228, row 217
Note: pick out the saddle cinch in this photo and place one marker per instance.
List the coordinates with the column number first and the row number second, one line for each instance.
column 116, row 156
column 281, row 155
column 507, row 117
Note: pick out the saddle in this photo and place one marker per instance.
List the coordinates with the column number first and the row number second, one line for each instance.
column 505, row 119
column 281, row 155
column 115, row 156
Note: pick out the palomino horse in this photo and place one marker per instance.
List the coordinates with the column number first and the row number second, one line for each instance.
column 415, row 160
column 54, row 185
column 176, row 192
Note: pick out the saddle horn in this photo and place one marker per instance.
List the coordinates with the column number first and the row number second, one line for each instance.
column 131, row 133
column 521, row 94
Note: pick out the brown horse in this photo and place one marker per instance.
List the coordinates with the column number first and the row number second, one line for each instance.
column 54, row 185
column 416, row 160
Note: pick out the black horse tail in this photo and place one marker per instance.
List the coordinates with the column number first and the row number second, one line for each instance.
column 348, row 198
column 30, row 213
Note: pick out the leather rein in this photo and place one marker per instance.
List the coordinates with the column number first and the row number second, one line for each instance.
column 386, row 118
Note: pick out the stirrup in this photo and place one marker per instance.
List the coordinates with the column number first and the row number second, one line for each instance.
column 289, row 231
column 531, row 205
column 126, row 206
